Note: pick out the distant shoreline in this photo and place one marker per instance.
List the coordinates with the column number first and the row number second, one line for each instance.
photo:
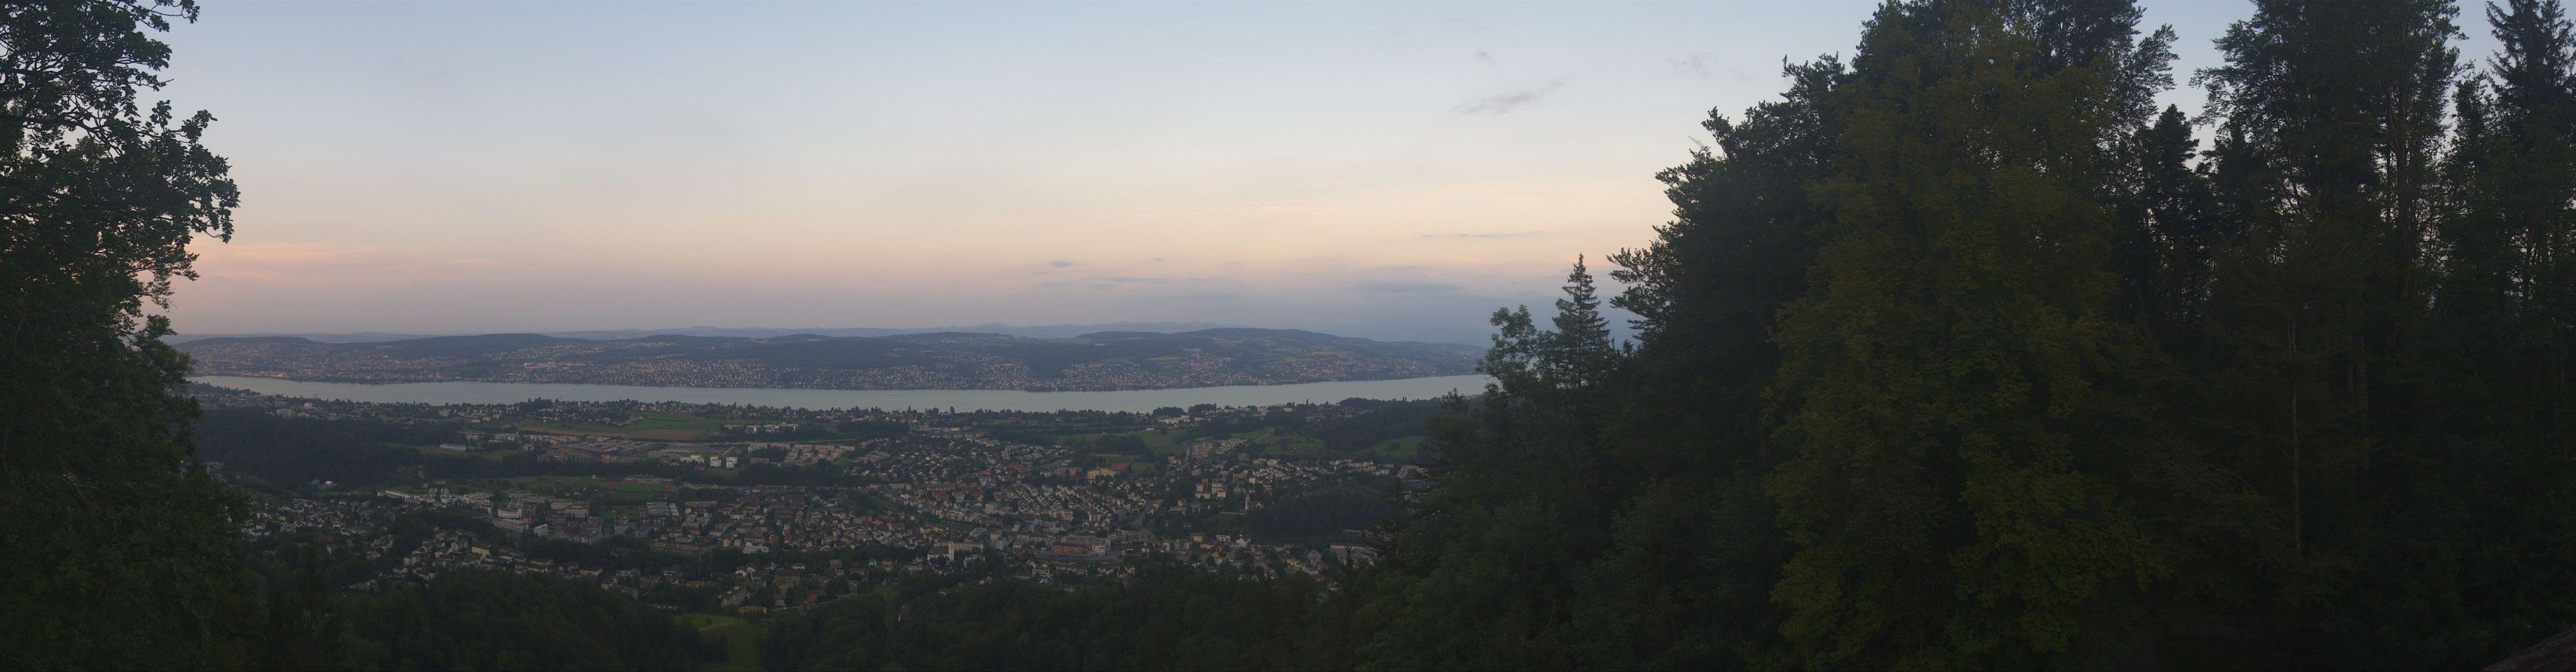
column 1037, row 390
column 1140, row 400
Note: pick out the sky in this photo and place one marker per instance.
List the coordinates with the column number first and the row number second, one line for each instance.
column 1391, row 171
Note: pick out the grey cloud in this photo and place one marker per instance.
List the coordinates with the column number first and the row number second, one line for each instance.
column 1209, row 296
column 1126, row 279
column 1060, row 263
column 1387, row 287
column 1506, row 103
column 1706, row 66
column 1486, row 57
column 1698, row 65
column 1058, row 283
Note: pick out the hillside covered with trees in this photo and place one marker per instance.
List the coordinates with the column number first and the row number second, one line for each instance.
column 1962, row 354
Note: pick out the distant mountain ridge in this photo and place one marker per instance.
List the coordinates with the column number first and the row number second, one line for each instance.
column 1033, row 331
column 1100, row 360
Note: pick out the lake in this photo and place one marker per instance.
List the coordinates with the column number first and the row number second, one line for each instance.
column 997, row 400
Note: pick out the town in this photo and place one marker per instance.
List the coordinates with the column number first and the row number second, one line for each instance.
column 747, row 510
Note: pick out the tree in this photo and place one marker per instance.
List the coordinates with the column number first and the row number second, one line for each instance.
column 2318, row 309
column 120, row 554
column 2162, row 248
column 2519, row 174
column 1965, row 484
column 1696, row 549
column 1482, row 574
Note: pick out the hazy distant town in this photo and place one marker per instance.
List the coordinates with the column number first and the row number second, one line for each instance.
column 746, row 510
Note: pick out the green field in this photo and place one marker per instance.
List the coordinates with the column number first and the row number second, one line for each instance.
column 1161, row 443
column 1222, row 523
column 741, row 639
column 1399, row 448
column 1272, row 443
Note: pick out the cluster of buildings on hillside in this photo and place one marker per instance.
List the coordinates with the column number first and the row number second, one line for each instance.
column 947, row 497
column 947, row 503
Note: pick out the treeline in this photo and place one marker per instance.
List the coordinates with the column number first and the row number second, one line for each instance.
column 284, row 456
column 477, row 620
column 1162, row 618
column 1319, row 514
column 1376, row 421
column 1341, row 432
column 1963, row 355
column 1379, row 421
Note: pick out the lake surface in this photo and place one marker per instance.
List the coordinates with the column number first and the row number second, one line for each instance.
column 999, row 400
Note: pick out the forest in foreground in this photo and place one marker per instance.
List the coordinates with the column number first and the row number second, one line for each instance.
column 1959, row 354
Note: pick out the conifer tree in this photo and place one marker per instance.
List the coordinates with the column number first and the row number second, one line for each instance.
column 1482, row 573
column 2527, row 183
column 1954, row 491
column 2333, row 113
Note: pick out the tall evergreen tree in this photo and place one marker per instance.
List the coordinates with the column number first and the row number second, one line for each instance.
column 2341, row 105
column 2162, row 248
column 1696, row 549
column 1482, row 573
column 2470, row 516
column 1955, row 378
column 2526, row 184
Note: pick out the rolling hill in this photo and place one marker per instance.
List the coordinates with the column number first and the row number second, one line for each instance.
column 946, row 360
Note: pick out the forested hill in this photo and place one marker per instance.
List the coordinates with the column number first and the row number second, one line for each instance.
column 953, row 360
column 1963, row 354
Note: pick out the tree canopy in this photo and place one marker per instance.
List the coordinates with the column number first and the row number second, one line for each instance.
column 119, row 551
column 1963, row 354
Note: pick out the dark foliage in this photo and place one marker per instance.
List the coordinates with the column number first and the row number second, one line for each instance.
column 1962, row 356
column 119, row 551
column 1318, row 515
column 501, row 621
column 1165, row 618
column 282, row 455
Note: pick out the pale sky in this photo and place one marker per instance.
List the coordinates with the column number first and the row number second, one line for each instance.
column 1392, row 171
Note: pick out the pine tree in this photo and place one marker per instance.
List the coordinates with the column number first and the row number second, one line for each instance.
column 1954, row 371
column 2357, row 262
column 1694, row 549
column 2340, row 105
column 1482, row 574
column 2528, row 182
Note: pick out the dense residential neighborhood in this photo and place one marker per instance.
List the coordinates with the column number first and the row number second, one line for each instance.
column 762, row 509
